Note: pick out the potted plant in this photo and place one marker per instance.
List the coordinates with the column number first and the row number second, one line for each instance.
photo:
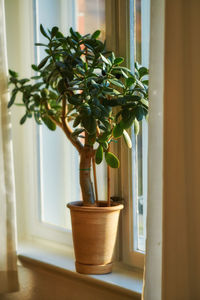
column 83, row 89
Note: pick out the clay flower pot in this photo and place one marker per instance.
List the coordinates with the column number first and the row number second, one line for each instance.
column 94, row 232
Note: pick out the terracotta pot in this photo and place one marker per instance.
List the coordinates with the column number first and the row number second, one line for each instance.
column 94, row 232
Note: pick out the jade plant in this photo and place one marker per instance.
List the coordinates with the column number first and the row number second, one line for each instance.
column 84, row 89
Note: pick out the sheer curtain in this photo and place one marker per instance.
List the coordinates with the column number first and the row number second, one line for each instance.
column 173, row 222
column 8, row 257
column 153, row 261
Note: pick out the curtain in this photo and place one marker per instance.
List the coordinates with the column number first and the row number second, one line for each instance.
column 173, row 221
column 153, row 261
column 8, row 257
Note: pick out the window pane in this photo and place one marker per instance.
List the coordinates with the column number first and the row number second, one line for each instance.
column 140, row 155
column 58, row 160
column 138, row 45
column 91, row 16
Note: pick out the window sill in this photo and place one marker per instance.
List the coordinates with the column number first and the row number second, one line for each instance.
column 61, row 259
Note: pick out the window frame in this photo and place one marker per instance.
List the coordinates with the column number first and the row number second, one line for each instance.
column 38, row 228
column 118, row 33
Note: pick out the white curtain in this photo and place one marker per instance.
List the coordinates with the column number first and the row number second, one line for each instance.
column 173, row 222
column 153, row 261
column 8, row 257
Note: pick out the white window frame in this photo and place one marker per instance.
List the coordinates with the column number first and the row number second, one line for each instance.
column 28, row 190
column 38, row 228
column 118, row 31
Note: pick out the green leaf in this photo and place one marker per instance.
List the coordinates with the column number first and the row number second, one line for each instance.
column 122, row 68
column 43, row 31
column 23, row 119
column 117, row 131
column 117, row 83
column 34, row 67
column 13, row 80
column 127, row 139
column 50, row 124
column 43, row 62
column 22, row 81
column 106, row 123
column 99, row 155
column 61, row 86
column 44, row 93
column 40, row 44
column 145, row 102
column 12, row 99
column 74, row 34
column 88, row 46
column 143, row 71
column 53, row 96
column 112, row 57
column 89, row 123
column 140, row 84
column 112, row 160
column 140, row 113
column 137, row 65
column 127, row 123
column 36, row 77
column 136, row 127
column 96, row 112
column 130, row 81
column 29, row 114
column 77, row 131
column 77, row 121
column 37, row 99
column 124, row 74
column 37, row 117
column 85, row 110
column 19, row 104
column 74, row 100
column 85, row 66
column 13, row 73
column 107, row 89
column 36, row 86
column 118, row 60
column 96, row 34
column 146, row 82
column 105, row 145
column 60, row 65
column 104, row 59
column 104, row 137
column 94, row 84
column 80, row 70
column 59, row 35
column 54, row 31
column 132, row 98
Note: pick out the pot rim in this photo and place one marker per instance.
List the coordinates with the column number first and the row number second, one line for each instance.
column 77, row 206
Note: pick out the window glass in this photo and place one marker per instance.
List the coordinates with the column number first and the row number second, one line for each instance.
column 91, row 16
column 141, row 140
column 58, row 160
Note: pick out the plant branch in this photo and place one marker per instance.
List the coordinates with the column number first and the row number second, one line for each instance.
column 67, row 130
column 108, row 182
column 108, row 185
column 95, row 178
column 48, row 107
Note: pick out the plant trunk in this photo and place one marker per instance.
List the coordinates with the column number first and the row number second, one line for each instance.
column 85, row 180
